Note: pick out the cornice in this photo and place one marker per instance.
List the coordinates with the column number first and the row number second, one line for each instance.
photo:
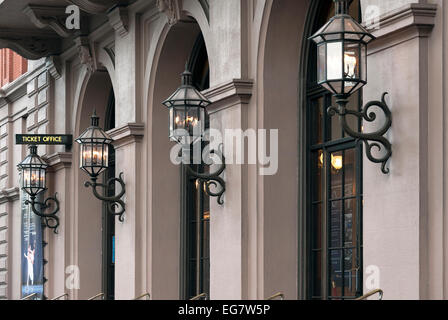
column 59, row 160
column 127, row 134
column 405, row 23
column 9, row 195
column 228, row 94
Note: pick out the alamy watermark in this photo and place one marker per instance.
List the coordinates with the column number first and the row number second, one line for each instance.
column 239, row 147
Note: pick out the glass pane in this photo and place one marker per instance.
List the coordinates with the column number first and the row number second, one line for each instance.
column 321, row 63
column 179, row 118
column 351, row 60
column 336, row 129
column 334, row 26
column 336, row 86
column 363, row 65
column 317, row 269
column 334, row 60
column 336, row 174
column 335, row 276
column 351, row 271
column 350, row 172
column 350, row 223
column 335, row 216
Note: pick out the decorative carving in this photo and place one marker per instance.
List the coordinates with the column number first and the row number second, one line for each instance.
column 49, row 16
column 54, row 66
column 171, row 8
column 29, row 46
column 85, row 53
column 119, row 20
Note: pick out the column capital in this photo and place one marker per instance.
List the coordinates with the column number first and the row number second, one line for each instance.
column 9, row 195
column 405, row 23
column 228, row 94
column 59, row 160
column 129, row 133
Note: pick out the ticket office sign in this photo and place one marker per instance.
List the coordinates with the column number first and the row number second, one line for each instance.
column 56, row 139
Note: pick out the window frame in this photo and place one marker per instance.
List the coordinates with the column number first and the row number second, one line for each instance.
column 311, row 93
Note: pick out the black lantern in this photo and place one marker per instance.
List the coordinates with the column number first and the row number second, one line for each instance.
column 342, row 52
column 94, row 156
column 187, row 111
column 342, row 70
column 33, row 170
column 94, row 159
column 187, row 108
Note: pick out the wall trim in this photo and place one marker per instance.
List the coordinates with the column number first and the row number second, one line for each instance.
column 127, row 134
column 403, row 24
column 9, row 195
column 229, row 94
column 59, row 160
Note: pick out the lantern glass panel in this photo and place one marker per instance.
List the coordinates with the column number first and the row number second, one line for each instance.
column 33, row 180
column 179, row 118
column 363, row 64
column 321, row 68
column 351, row 65
column 94, row 157
column 333, row 36
column 334, row 26
column 334, row 60
column 350, row 26
column 171, row 110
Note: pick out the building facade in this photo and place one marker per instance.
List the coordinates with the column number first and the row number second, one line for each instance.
column 320, row 221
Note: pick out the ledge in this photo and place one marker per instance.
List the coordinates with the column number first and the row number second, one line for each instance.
column 9, row 195
column 129, row 133
column 405, row 23
column 229, row 94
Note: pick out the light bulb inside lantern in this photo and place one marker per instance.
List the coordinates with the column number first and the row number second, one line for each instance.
column 350, row 63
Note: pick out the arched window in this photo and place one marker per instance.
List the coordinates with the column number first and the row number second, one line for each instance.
column 334, row 184
column 196, row 208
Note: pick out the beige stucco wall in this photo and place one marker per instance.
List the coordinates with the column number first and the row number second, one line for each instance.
column 254, row 50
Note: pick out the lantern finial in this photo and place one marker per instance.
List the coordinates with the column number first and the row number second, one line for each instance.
column 187, row 76
column 341, row 6
column 94, row 119
column 33, row 149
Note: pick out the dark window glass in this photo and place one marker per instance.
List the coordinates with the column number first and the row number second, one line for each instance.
column 108, row 219
column 335, row 190
column 197, row 203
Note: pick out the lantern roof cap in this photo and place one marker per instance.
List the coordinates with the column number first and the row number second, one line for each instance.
column 94, row 133
column 342, row 27
column 32, row 160
column 187, row 95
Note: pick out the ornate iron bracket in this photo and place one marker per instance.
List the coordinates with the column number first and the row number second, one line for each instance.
column 113, row 202
column 371, row 140
column 212, row 179
column 50, row 219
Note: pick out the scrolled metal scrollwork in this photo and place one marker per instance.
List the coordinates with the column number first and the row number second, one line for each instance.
column 115, row 205
column 212, row 181
column 51, row 219
column 372, row 139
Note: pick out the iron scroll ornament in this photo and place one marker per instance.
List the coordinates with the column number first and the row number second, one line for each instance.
column 373, row 139
column 212, row 179
column 51, row 219
column 113, row 202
